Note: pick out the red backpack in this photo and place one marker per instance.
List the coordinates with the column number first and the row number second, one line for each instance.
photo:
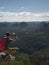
column 3, row 44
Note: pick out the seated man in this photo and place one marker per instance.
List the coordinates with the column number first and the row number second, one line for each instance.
column 4, row 46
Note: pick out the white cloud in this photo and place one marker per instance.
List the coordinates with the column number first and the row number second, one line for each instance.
column 23, row 8
column 23, row 16
column 1, row 8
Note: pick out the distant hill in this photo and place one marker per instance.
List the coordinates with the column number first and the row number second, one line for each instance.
column 44, row 27
column 3, row 24
column 24, row 26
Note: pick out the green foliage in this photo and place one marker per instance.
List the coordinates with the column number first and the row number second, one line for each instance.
column 33, row 46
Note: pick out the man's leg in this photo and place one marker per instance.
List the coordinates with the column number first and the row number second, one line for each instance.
column 2, row 55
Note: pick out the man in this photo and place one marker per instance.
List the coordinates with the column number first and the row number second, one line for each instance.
column 4, row 46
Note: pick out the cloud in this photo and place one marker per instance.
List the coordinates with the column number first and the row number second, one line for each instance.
column 23, row 8
column 24, row 13
column 1, row 16
column 23, row 16
column 1, row 8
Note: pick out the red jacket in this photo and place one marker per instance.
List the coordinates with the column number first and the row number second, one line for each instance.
column 3, row 44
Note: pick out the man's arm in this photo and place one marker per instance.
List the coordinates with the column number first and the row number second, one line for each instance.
column 15, row 35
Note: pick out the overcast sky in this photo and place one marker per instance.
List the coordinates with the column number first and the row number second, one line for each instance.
column 24, row 10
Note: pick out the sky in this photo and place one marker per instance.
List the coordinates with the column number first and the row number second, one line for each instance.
column 24, row 10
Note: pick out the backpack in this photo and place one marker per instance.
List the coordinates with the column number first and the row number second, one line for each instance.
column 3, row 44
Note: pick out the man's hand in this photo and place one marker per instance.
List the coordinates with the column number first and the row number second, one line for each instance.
column 17, row 38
